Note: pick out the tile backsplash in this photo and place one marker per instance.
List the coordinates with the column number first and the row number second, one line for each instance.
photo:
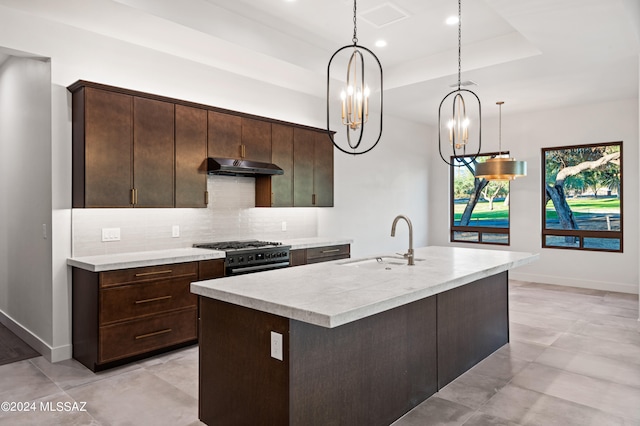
column 231, row 215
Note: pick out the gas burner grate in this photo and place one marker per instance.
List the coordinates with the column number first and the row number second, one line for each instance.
column 237, row 245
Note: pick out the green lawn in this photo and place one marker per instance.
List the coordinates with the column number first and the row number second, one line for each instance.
column 578, row 206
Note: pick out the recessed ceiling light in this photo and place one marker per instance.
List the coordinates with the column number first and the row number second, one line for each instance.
column 452, row 20
column 381, row 43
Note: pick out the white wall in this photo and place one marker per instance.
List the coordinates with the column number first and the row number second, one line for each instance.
column 372, row 189
column 524, row 136
column 25, row 190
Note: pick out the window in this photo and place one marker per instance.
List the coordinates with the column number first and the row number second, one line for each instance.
column 479, row 208
column 582, row 197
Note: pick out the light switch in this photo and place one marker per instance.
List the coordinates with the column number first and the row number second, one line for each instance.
column 175, row 231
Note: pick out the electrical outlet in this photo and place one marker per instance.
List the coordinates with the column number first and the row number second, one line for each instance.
column 175, row 231
column 284, row 225
column 110, row 234
column 276, row 345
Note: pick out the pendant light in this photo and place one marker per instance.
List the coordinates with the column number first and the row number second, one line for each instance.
column 459, row 126
column 354, row 98
column 501, row 168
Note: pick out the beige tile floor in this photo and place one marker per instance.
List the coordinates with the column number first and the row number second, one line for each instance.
column 573, row 359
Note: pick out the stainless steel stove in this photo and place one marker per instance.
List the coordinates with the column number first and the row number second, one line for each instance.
column 243, row 257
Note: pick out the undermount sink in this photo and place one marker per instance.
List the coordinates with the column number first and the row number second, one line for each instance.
column 380, row 262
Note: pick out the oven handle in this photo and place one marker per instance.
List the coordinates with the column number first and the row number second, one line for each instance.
column 258, row 268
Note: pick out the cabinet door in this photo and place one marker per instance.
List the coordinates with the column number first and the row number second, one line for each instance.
column 225, row 135
column 108, row 129
column 153, row 152
column 303, row 153
column 282, row 156
column 256, row 140
column 323, row 170
column 191, row 153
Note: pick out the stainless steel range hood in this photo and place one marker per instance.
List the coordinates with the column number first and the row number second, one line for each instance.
column 233, row 167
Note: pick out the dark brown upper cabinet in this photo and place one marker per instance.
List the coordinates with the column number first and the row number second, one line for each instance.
column 225, row 135
column 191, row 150
column 256, row 140
column 102, row 154
column 312, row 169
column 153, row 153
column 277, row 191
column 232, row 136
column 134, row 149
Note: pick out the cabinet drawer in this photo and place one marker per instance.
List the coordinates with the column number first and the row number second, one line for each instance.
column 143, row 299
column 324, row 254
column 139, row 336
column 126, row 276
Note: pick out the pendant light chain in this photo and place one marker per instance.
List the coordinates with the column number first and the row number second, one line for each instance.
column 355, row 25
column 500, row 128
column 459, row 41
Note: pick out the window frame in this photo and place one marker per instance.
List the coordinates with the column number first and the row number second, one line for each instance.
column 480, row 230
column 579, row 233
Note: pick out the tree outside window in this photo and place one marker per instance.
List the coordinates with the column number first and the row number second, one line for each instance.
column 479, row 208
column 582, row 197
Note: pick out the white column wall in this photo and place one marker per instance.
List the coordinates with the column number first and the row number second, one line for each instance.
column 25, row 190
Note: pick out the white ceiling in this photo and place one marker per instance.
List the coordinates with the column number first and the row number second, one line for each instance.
column 532, row 54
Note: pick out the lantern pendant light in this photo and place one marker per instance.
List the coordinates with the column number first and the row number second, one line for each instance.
column 459, row 126
column 354, row 98
column 501, row 168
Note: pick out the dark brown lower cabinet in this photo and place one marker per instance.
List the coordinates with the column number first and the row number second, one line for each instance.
column 118, row 316
column 368, row 372
column 300, row 257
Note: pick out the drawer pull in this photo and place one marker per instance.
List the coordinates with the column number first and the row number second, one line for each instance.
column 146, row 274
column 330, row 251
column 155, row 333
column 155, row 299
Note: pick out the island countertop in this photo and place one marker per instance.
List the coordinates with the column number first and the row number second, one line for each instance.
column 335, row 293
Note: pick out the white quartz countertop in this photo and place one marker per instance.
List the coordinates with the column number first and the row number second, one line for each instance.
column 335, row 293
column 110, row 262
column 312, row 242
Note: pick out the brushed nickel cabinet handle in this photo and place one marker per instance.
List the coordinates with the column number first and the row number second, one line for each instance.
column 146, row 274
column 155, row 333
column 330, row 251
column 206, row 197
column 132, row 196
column 242, row 151
column 154, row 299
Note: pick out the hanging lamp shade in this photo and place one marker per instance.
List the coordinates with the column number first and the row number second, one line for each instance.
column 501, row 168
column 462, row 130
column 357, row 103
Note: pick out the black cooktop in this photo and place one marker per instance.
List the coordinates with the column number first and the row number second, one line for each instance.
column 238, row 245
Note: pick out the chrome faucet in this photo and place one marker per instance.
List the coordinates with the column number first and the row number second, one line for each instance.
column 408, row 255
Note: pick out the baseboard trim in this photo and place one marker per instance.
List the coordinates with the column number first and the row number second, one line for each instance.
column 569, row 282
column 52, row 354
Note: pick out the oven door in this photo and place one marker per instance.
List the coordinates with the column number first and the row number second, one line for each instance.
column 238, row 270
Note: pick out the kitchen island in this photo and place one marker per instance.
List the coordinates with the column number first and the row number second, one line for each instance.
column 363, row 341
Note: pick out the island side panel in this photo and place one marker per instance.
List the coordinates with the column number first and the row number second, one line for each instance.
column 473, row 322
column 369, row 372
column 240, row 383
